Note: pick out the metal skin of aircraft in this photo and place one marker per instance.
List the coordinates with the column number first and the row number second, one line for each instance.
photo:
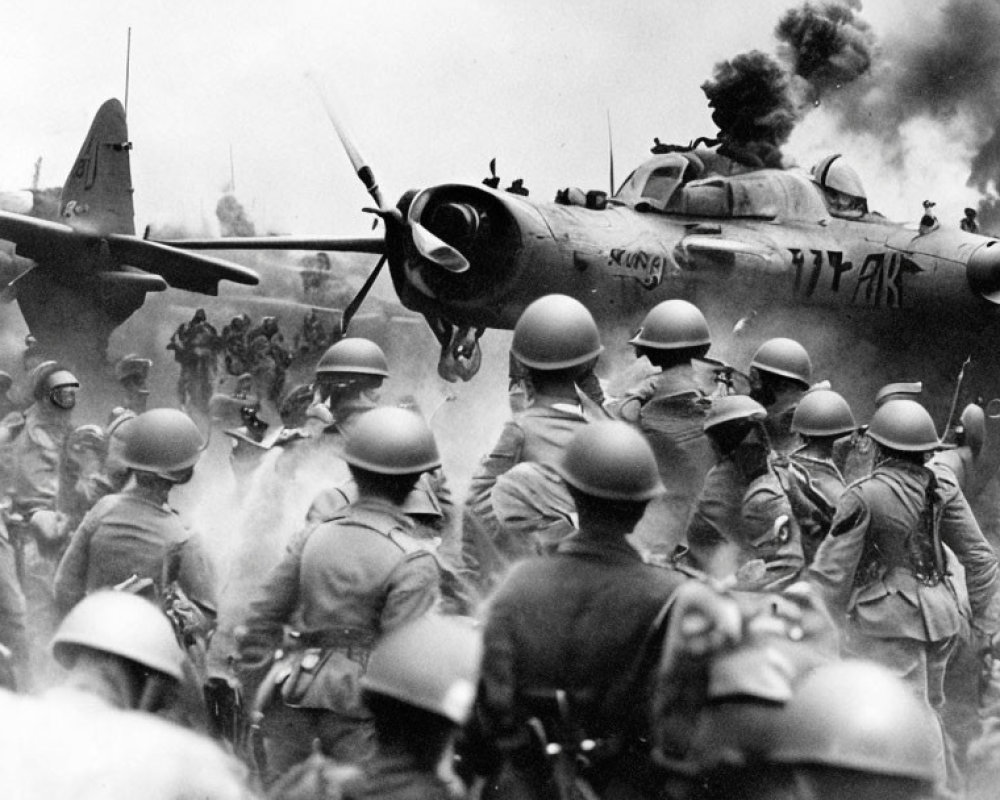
column 763, row 252
column 78, row 279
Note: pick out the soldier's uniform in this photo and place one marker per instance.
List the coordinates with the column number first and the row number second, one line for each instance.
column 538, row 434
column 341, row 583
column 737, row 521
column 884, row 568
column 578, row 621
column 813, row 486
column 669, row 409
column 129, row 534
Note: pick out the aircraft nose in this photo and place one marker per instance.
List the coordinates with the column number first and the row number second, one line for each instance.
column 983, row 271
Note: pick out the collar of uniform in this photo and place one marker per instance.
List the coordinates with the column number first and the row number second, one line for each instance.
column 616, row 550
column 144, row 495
column 560, row 404
column 676, row 381
column 376, row 506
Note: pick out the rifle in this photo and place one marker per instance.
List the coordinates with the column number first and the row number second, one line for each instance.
column 949, row 420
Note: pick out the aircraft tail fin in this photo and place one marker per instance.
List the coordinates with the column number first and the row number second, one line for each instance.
column 97, row 195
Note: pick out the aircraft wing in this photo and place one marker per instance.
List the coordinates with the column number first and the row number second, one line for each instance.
column 36, row 238
column 181, row 270
column 369, row 244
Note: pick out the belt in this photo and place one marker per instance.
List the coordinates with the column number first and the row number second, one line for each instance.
column 337, row 638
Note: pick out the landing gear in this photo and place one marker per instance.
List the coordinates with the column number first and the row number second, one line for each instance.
column 461, row 355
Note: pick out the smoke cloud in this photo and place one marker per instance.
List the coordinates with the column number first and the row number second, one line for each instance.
column 233, row 218
column 826, row 46
column 753, row 108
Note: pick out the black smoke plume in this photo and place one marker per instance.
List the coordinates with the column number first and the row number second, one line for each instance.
column 752, row 107
column 827, row 46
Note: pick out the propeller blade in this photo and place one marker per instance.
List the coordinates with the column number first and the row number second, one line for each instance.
column 345, row 244
column 180, row 269
column 357, row 161
column 437, row 250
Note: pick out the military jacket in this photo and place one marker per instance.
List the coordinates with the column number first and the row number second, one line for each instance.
column 129, row 534
column 581, row 621
column 813, row 485
column 35, row 455
column 344, row 582
column 879, row 566
column 539, row 433
column 736, row 521
column 670, row 409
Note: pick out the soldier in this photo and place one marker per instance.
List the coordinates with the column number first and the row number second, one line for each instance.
column 122, row 659
column 557, row 341
column 40, row 435
column 269, row 358
column 249, row 446
column 968, row 222
column 420, row 685
column 7, row 404
column 313, row 336
column 570, row 640
column 135, row 533
column 856, row 455
column 780, row 373
column 669, row 408
column 742, row 524
column 196, row 346
column 346, row 582
column 882, row 569
column 850, row 730
column 349, row 376
column 809, row 473
column 533, row 508
column 132, row 373
column 235, row 346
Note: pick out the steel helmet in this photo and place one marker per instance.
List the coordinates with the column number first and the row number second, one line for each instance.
column 122, row 624
column 857, row 715
column 833, row 172
column 891, row 391
column 672, row 325
column 610, row 460
column 391, row 441
column 785, row 357
column 823, row 412
column 48, row 376
column 162, row 441
column 354, row 355
column 734, row 407
column 555, row 332
column 430, row 663
column 904, row 425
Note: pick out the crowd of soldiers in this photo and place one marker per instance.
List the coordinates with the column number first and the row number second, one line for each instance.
column 716, row 584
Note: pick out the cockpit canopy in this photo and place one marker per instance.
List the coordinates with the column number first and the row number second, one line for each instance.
column 672, row 183
column 845, row 195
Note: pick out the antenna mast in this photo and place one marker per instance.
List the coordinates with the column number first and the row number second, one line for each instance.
column 611, row 157
column 128, row 61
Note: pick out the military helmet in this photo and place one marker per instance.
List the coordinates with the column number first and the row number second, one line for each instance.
column 785, row 357
column 431, row 663
column 823, row 412
column 610, row 460
column 857, row 715
column 672, row 325
column 122, row 624
column 904, row 425
column 48, row 376
column 555, row 332
column 353, row 355
column 833, row 172
column 898, row 391
column 734, row 407
column 163, row 441
column 391, row 441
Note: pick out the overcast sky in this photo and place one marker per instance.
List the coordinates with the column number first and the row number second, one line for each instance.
column 431, row 91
